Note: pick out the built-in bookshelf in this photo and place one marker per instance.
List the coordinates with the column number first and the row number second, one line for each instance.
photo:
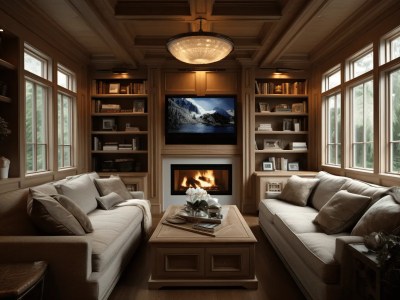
column 281, row 125
column 119, row 126
column 9, row 100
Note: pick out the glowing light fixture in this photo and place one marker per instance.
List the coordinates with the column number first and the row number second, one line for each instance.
column 200, row 47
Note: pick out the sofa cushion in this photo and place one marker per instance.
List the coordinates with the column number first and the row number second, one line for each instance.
column 384, row 215
column 112, row 184
column 298, row 189
column 50, row 216
column 75, row 210
column 314, row 247
column 82, row 191
column 341, row 212
column 108, row 201
column 366, row 189
column 327, row 186
column 112, row 229
column 270, row 207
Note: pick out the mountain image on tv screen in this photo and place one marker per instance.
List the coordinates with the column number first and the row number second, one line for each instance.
column 206, row 115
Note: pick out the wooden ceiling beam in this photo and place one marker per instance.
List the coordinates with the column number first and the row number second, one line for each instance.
column 146, row 9
column 270, row 10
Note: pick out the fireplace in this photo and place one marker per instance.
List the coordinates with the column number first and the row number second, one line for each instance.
column 216, row 179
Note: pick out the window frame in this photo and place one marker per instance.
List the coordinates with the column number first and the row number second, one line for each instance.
column 338, row 144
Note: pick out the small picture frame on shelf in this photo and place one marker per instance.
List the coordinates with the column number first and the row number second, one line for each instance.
column 114, row 88
column 108, row 124
column 293, row 166
column 274, row 187
column 264, row 107
column 267, row 166
column 138, row 106
column 271, row 144
column 297, row 107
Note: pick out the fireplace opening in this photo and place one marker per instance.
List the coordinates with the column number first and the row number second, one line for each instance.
column 216, row 179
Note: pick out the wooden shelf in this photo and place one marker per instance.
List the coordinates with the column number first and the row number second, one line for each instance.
column 120, row 114
column 280, row 151
column 120, row 151
column 279, row 173
column 5, row 99
column 6, row 65
column 280, row 114
column 261, row 132
column 120, row 132
column 275, row 96
column 121, row 96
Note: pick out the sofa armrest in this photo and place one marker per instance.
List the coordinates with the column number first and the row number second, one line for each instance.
column 272, row 195
column 137, row 194
column 341, row 242
column 69, row 259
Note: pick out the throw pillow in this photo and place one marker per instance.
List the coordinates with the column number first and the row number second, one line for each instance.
column 82, row 191
column 383, row 215
column 50, row 216
column 327, row 187
column 112, row 184
column 108, row 201
column 298, row 189
column 74, row 209
column 341, row 212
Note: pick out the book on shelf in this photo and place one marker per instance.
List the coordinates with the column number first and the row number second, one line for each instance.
column 124, row 146
column 264, row 127
column 284, row 164
column 103, row 87
column 96, row 144
column 298, row 146
column 287, row 88
column 109, row 146
column 110, row 108
column 133, row 128
column 209, row 227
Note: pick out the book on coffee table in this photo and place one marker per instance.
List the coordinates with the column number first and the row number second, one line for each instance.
column 209, row 227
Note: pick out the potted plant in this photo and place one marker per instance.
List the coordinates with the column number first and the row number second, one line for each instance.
column 387, row 249
column 4, row 162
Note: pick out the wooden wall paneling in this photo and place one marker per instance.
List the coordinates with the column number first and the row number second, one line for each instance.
column 180, row 83
column 221, row 82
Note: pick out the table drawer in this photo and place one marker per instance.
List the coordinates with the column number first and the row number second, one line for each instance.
column 226, row 262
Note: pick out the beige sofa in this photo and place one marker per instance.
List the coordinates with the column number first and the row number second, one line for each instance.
column 317, row 260
column 80, row 267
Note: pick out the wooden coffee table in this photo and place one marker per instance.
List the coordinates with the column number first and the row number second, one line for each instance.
column 184, row 258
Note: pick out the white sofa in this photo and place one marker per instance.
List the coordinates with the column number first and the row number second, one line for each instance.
column 317, row 260
column 79, row 266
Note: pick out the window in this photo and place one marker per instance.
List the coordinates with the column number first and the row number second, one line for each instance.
column 64, row 109
column 390, row 46
column 36, row 126
column 394, row 121
column 36, row 62
column 334, row 127
column 331, row 79
column 360, row 64
column 362, row 125
column 65, row 79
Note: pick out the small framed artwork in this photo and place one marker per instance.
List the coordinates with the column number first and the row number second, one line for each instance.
column 138, row 106
column 274, row 187
column 114, row 88
column 267, row 166
column 271, row 144
column 108, row 124
column 293, row 166
column 297, row 107
column 264, row 107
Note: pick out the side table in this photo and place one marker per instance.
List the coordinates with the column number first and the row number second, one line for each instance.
column 366, row 274
column 22, row 280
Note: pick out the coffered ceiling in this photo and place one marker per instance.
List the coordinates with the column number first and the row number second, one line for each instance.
column 266, row 33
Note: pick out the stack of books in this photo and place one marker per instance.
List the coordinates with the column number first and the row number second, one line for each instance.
column 282, row 108
column 264, row 127
column 298, row 146
column 209, row 227
column 110, row 146
column 110, row 108
column 124, row 146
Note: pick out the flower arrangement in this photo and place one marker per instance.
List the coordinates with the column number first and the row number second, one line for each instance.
column 197, row 199
column 4, row 131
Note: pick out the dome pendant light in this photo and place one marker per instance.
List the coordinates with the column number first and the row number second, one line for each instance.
column 200, row 47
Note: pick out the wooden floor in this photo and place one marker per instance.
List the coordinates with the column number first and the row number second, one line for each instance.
column 275, row 283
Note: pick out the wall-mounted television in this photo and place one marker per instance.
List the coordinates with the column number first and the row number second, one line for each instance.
column 201, row 120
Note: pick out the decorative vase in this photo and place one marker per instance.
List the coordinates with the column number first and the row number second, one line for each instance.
column 4, row 167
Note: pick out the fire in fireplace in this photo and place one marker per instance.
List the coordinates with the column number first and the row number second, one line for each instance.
column 215, row 179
